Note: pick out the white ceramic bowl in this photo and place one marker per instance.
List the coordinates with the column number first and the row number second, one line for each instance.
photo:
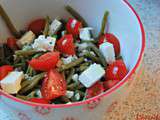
column 123, row 22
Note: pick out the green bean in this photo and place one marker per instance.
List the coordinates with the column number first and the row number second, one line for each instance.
column 69, row 78
column 37, row 55
column 65, row 99
column 92, row 57
column 25, row 83
column 98, row 53
column 119, row 57
column 73, row 99
column 32, row 94
column 25, row 52
column 76, row 15
column 72, row 86
column 80, row 86
column 9, row 23
column 46, row 29
column 104, row 23
column 30, row 71
column 89, row 41
column 84, row 66
column 82, row 94
column 71, row 65
column 32, row 83
column 18, row 64
column 22, row 97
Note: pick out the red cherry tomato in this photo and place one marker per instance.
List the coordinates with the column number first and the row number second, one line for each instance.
column 53, row 85
column 73, row 26
column 110, row 83
column 108, row 37
column 39, row 100
column 11, row 43
column 45, row 62
column 37, row 26
column 66, row 45
column 116, row 71
column 95, row 90
column 4, row 70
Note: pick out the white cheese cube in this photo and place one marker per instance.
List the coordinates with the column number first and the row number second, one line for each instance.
column 75, row 77
column 85, row 34
column 55, row 26
column 44, row 44
column 26, row 39
column 69, row 59
column 12, row 82
column 108, row 52
column 77, row 96
column 38, row 93
column 69, row 94
column 93, row 74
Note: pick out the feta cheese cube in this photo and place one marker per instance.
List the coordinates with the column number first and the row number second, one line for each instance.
column 75, row 77
column 69, row 94
column 108, row 52
column 44, row 44
column 26, row 39
column 69, row 59
column 12, row 82
column 85, row 34
column 55, row 26
column 77, row 96
column 93, row 74
column 38, row 93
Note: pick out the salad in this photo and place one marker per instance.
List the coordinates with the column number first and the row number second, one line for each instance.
column 60, row 61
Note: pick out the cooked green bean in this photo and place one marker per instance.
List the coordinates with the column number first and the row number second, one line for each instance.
column 65, row 99
column 84, row 66
column 119, row 57
column 92, row 57
column 69, row 78
column 72, row 86
column 89, row 41
column 25, row 83
column 32, row 94
column 104, row 23
column 25, row 52
column 18, row 65
column 22, row 97
column 30, row 71
column 46, row 29
column 98, row 53
column 32, row 83
column 9, row 23
column 71, row 65
column 80, row 86
column 76, row 15
column 37, row 55
column 82, row 94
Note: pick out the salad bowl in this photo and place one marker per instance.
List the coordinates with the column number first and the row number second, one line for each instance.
column 124, row 22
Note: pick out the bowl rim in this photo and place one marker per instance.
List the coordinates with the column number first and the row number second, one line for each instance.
column 108, row 92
